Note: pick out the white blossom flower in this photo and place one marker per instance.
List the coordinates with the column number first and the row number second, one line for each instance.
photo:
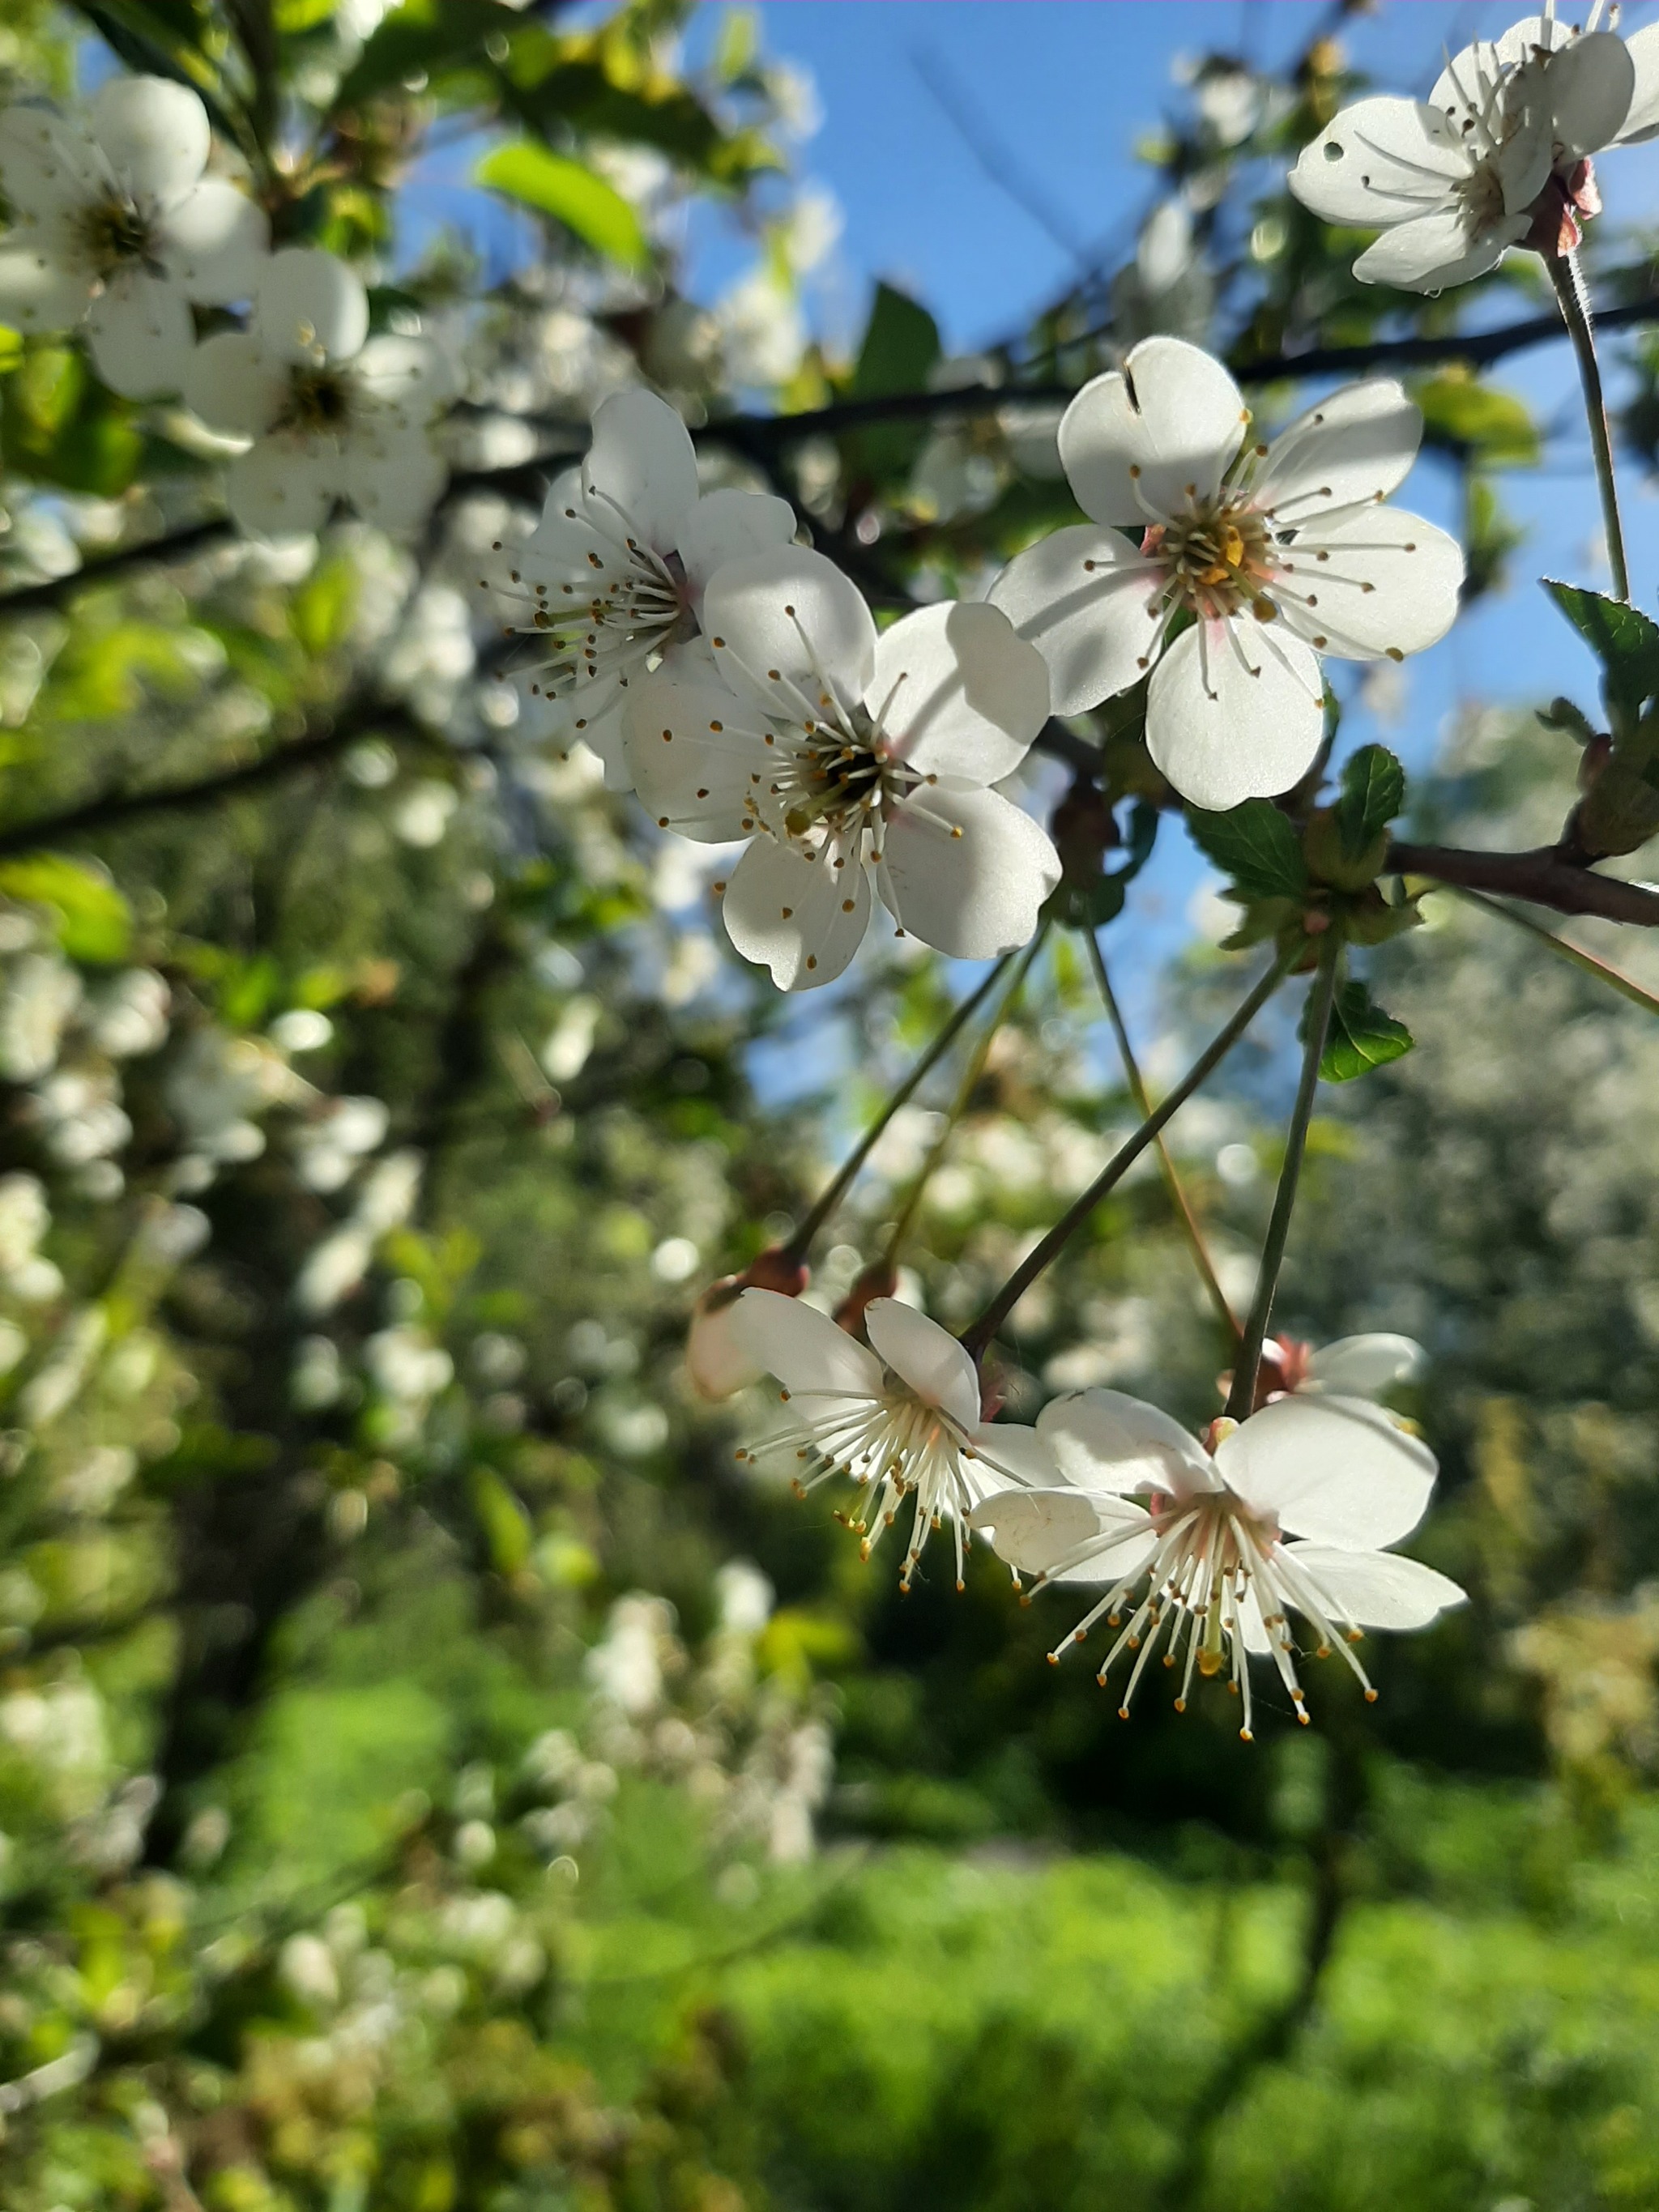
column 1273, row 554
column 901, row 1417
column 1353, row 1366
column 614, row 575
column 1290, row 1510
column 331, row 412
column 857, row 765
column 117, row 228
column 1452, row 181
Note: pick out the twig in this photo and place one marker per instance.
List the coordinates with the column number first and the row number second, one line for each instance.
column 1627, row 986
column 167, row 545
column 114, row 808
column 1541, row 877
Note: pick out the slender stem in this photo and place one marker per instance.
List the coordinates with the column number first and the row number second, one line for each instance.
column 1178, row 1197
column 1568, row 280
column 1614, row 978
column 797, row 1245
column 1321, row 999
column 977, row 1337
column 959, row 1104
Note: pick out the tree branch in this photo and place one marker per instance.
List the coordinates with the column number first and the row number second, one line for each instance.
column 323, row 744
column 1541, row 877
column 167, row 545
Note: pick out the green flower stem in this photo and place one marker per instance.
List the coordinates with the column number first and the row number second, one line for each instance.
column 958, row 1106
column 1321, row 999
column 797, row 1245
column 1178, row 1198
column 1574, row 299
column 979, row 1333
column 1615, row 980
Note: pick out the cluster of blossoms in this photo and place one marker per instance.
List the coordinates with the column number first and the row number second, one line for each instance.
column 120, row 231
column 1290, row 1510
column 1499, row 154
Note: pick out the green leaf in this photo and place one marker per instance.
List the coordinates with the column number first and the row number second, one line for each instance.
column 505, row 1523
column 1361, row 1037
column 60, row 425
column 1373, row 794
column 1622, row 638
column 1256, row 845
column 1471, row 416
column 420, row 38
column 901, row 347
column 556, row 185
column 92, row 920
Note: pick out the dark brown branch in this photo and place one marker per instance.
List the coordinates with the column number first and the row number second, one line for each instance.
column 1541, row 877
column 323, row 744
column 168, row 545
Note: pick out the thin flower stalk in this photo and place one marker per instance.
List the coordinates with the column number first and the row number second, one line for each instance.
column 1614, row 978
column 979, row 1335
column 971, row 1076
column 843, row 1179
column 1178, row 1198
column 1568, row 279
column 1240, row 1398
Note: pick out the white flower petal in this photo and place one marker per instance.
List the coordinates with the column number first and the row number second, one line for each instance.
column 719, row 1359
column 306, row 304
column 784, row 624
column 727, row 524
column 140, row 334
column 155, row 134
column 214, row 242
column 801, row 918
column 1376, row 1590
column 803, row 1347
column 1589, row 86
column 1641, row 120
column 694, row 751
column 1011, row 1452
column 1222, row 733
column 37, row 292
column 958, row 692
column 1337, row 1469
column 966, row 872
column 1383, row 582
column 641, row 469
column 1089, row 602
column 927, row 1357
column 1435, row 251
column 1107, row 1440
column 1133, row 440
column 48, row 166
column 1383, row 160
column 233, row 384
column 1032, row 1529
column 1358, row 444
column 281, row 488
column 409, row 377
column 393, row 478
column 1363, row 1365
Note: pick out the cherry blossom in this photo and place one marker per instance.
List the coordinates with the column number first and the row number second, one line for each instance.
column 900, row 1416
column 859, row 765
column 1291, row 1510
column 119, row 229
column 613, row 577
column 329, row 412
column 1498, row 153
column 1271, row 554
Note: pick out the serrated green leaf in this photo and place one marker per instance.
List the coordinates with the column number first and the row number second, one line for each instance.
column 1256, row 845
column 1622, row 638
column 572, row 194
column 1361, row 1035
column 91, row 919
column 1373, row 794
